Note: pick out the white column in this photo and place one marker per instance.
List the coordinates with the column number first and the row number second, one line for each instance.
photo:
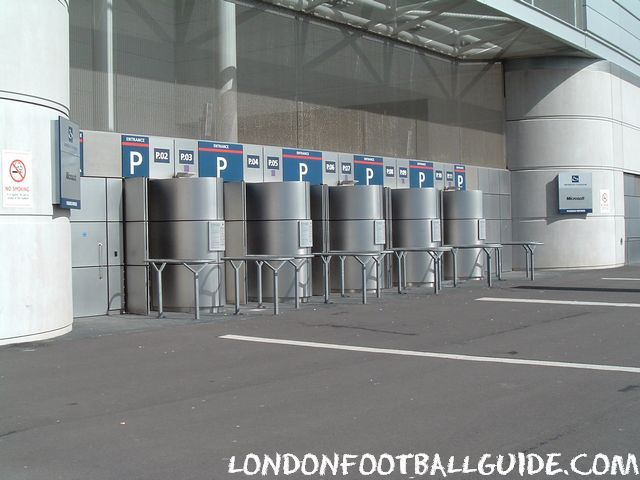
column 225, row 71
column 563, row 115
column 35, row 240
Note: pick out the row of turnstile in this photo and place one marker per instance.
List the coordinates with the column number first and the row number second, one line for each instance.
column 204, row 219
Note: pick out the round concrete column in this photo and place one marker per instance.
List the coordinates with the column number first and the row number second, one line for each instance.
column 563, row 115
column 35, row 240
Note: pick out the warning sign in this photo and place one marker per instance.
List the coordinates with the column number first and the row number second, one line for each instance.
column 605, row 201
column 17, row 179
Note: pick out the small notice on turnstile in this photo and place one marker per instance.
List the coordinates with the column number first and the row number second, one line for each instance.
column 305, row 233
column 436, row 232
column 379, row 236
column 482, row 229
column 216, row 236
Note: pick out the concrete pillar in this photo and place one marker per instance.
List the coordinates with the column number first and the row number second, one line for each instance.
column 563, row 115
column 35, row 240
column 102, row 36
column 225, row 122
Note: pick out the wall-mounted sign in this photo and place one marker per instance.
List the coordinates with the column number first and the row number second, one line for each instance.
column 68, row 168
column 305, row 233
column 17, row 179
column 421, row 175
column 575, row 192
column 605, row 201
column 482, row 229
column 302, row 166
column 135, row 156
column 216, row 236
column 461, row 177
column 368, row 170
column 222, row 160
column 436, row 231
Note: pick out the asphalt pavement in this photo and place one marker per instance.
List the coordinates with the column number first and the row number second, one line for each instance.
column 128, row 397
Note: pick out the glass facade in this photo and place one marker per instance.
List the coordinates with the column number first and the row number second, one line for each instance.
column 156, row 67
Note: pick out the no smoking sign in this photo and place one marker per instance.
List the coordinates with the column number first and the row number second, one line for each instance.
column 18, row 171
column 17, row 174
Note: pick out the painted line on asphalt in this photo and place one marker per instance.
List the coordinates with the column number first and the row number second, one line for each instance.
column 622, row 279
column 438, row 355
column 558, row 302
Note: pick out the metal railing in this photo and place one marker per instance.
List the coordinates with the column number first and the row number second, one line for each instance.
column 363, row 258
column 435, row 253
column 200, row 263
column 297, row 261
column 529, row 248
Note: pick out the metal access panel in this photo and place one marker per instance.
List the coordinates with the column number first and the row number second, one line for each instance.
column 253, row 164
column 161, row 161
column 420, row 174
column 402, row 179
column 272, row 164
column 115, row 293
column 390, row 172
column 345, row 161
column 368, row 170
column 94, row 205
column 114, row 200
column 88, row 244
column 235, row 210
column 222, row 160
column 90, row 291
column 185, row 154
column 330, row 168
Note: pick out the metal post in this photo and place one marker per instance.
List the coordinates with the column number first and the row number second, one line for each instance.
column 487, row 251
column 454, row 256
column 532, row 263
column 236, row 277
column 499, row 262
column 364, row 278
column 404, row 271
column 526, row 259
column 159, row 279
column 364, row 283
column 377, row 260
column 196, row 288
column 259, row 264
column 435, row 272
column 326, row 261
column 276, row 308
column 342, row 259
column 399, row 261
column 297, row 294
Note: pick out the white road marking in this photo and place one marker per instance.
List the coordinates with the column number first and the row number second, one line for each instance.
column 445, row 356
column 622, row 278
column 557, row 302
